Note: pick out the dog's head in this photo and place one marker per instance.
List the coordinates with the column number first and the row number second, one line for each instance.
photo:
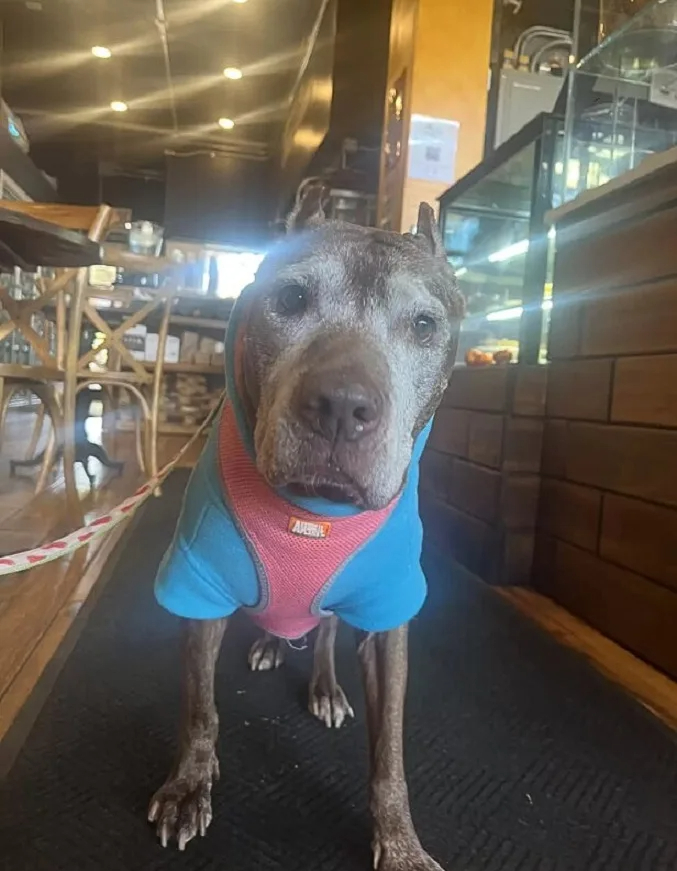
column 347, row 342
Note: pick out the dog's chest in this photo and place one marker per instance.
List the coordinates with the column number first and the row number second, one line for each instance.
column 297, row 554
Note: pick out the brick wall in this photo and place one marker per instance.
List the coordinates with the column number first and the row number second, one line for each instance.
column 480, row 473
column 607, row 524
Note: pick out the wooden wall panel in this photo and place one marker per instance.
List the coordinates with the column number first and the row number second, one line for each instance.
column 470, row 541
column 554, row 454
column 570, row 512
column 564, row 338
column 436, row 473
column 630, row 255
column 625, row 606
column 530, row 390
column 630, row 460
column 475, row 490
column 485, row 389
column 642, row 537
column 645, row 390
column 523, row 445
column 483, row 507
column 519, row 501
column 517, row 561
column 450, row 431
column 639, row 320
column 485, row 439
column 579, row 389
column 607, row 540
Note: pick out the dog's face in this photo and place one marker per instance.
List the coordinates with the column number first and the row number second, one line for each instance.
column 347, row 347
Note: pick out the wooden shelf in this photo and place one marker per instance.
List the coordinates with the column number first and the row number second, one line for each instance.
column 204, row 323
column 185, row 368
column 70, row 217
column 193, row 368
column 119, row 257
column 31, row 373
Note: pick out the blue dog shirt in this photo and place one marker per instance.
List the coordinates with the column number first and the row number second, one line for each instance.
column 287, row 559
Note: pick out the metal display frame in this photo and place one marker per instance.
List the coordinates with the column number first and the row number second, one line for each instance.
column 543, row 132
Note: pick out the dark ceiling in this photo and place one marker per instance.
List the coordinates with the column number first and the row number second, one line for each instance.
column 175, row 99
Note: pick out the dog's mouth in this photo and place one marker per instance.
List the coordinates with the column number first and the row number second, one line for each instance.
column 335, row 487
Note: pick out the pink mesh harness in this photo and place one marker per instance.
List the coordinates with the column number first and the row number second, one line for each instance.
column 296, row 553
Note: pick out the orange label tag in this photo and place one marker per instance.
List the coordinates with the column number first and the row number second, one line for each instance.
column 309, row 528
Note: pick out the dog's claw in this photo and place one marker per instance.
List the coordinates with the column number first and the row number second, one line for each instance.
column 181, row 810
column 266, row 654
column 331, row 707
column 401, row 854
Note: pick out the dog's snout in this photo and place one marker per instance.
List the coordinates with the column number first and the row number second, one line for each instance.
column 340, row 407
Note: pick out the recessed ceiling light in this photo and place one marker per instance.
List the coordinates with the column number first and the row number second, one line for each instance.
column 232, row 73
column 119, row 106
column 226, row 123
column 101, row 51
column 239, row 1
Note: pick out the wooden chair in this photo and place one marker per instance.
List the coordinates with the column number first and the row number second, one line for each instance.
column 123, row 372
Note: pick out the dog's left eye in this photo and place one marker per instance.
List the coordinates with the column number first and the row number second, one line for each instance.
column 424, row 328
column 292, row 300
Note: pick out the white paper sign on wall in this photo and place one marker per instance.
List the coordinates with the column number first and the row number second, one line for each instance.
column 432, row 149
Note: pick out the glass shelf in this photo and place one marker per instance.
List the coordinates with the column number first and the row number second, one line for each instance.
column 622, row 100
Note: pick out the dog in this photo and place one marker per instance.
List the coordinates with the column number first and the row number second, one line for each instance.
column 303, row 508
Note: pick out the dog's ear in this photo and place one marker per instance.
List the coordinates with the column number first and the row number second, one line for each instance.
column 428, row 231
column 308, row 210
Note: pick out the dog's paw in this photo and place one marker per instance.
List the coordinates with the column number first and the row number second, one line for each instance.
column 401, row 854
column 330, row 706
column 266, row 654
column 182, row 809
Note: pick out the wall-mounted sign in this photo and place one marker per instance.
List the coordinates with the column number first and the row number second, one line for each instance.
column 432, row 149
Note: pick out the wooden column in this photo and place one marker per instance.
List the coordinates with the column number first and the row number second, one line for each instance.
column 439, row 57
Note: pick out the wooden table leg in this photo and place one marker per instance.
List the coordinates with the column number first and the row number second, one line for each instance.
column 48, row 398
column 37, row 432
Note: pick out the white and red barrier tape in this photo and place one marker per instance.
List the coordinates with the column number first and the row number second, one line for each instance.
column 28, row 559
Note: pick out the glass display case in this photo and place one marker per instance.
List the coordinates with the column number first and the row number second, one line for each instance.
column 622, row 97
column 492, row 222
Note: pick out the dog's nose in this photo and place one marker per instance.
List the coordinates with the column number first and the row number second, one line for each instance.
column 340, row 408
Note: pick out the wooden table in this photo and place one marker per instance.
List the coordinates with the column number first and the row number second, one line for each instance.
column 29, row 242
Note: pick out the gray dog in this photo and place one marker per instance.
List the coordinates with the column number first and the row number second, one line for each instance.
column 303, row 508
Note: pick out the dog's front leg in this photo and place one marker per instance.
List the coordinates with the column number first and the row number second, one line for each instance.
column 384, row 665
column 182, row 808
column 326, row 699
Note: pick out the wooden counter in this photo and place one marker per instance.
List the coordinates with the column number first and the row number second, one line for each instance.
column 564, row 476
column 607, row 541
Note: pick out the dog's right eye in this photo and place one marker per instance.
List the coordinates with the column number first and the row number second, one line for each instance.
column 292, row 300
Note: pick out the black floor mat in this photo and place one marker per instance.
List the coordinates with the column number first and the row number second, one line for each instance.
column 520, row 758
